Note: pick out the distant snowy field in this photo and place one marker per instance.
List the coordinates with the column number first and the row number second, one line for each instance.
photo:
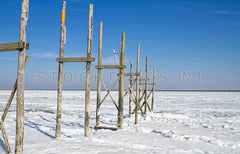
column 182, row 122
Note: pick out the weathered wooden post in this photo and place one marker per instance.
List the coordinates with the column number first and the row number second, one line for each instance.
column 130, row 100
column 20, row 79
column 99, row 74
column 88, row 70
column 121, row 82
column 154, row 73
column 137, row 86
column 60, row 71
column 146, row 87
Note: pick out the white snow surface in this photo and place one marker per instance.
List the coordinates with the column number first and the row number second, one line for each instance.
column 182, row 122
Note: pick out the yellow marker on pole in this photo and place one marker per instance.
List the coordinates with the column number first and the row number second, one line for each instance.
column 63, row 17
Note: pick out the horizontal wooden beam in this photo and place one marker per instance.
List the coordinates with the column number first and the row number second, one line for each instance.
column 12, row 46
column 139, row 79
column 77, row 59
column 130, row 74
column 149, row 83
column 110, row 66
column 105, row 127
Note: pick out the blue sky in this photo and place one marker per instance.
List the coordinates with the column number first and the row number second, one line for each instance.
column 201, row 38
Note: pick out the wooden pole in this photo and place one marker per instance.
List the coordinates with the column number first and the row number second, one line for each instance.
column 99, row 74
column 121, row 83
column 137, row 86
column 12, row 96
column 154, row 73
column 140, row 88
column 88, row 70
column 20, row 79
column 60, row 72
column 130, row 100
column 146, row 87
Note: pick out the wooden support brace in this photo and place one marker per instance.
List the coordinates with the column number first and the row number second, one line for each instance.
column 142, row 92
column 110, row 67
column 147, row 98
column 109, row 94
column 12, row 95
column 4, row 135
column 13, row 46
column 77, row 59
column 130, row 89
column 146, row 105
column 108, row 91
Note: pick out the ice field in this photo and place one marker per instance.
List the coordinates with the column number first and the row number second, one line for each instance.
column 182, row 122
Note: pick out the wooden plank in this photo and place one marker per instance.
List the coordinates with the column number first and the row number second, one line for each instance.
column 105, row 127
column 13, row 46
column 12, row 95
column 121, row 82
column 4, row 135
column 76, row 59
column 99, row 74
column 88, row 70
column 60, row 72
column 149, row 83
column 20, row 79
column 143, row 79
column 130, row 74
column 137, row 86
column 132, row 79
column 110, row 67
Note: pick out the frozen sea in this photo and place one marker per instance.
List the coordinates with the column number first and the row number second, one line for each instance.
column 182, row 122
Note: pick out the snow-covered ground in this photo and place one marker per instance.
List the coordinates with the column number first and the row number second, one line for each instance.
column 182, row 122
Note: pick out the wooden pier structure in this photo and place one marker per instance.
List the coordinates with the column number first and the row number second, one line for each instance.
column 88, row 61
column 140, row 97
column 120, row 79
